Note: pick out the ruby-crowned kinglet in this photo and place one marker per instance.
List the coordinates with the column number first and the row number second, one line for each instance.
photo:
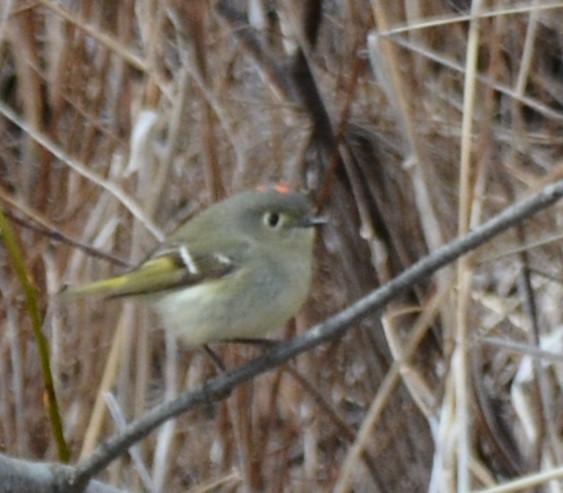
column 239, row 269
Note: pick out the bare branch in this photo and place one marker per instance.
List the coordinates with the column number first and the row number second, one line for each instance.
column 19, row 476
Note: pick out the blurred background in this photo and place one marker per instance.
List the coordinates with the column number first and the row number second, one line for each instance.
column 408, row 123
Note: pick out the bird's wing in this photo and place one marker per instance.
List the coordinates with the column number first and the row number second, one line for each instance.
column 174, row 267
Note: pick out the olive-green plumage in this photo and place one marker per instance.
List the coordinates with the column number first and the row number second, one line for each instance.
column 239, row 269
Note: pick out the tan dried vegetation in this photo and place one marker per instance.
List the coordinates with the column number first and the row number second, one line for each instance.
column 411, row 122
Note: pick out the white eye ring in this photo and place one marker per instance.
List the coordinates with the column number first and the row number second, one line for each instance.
column 272, row 219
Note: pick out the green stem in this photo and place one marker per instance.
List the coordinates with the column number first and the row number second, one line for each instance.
column 7, row 235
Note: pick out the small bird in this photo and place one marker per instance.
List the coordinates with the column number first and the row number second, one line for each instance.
column 237, row 270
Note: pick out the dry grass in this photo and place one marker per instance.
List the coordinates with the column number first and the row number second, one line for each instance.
column 119, row 119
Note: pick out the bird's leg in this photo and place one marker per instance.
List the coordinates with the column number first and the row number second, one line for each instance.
column 218, row 362
column 256, row 341
column 215, row 358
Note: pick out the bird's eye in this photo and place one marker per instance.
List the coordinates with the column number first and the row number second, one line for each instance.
column 272, row 219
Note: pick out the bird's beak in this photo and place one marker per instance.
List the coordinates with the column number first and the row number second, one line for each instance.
column 313, row 221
